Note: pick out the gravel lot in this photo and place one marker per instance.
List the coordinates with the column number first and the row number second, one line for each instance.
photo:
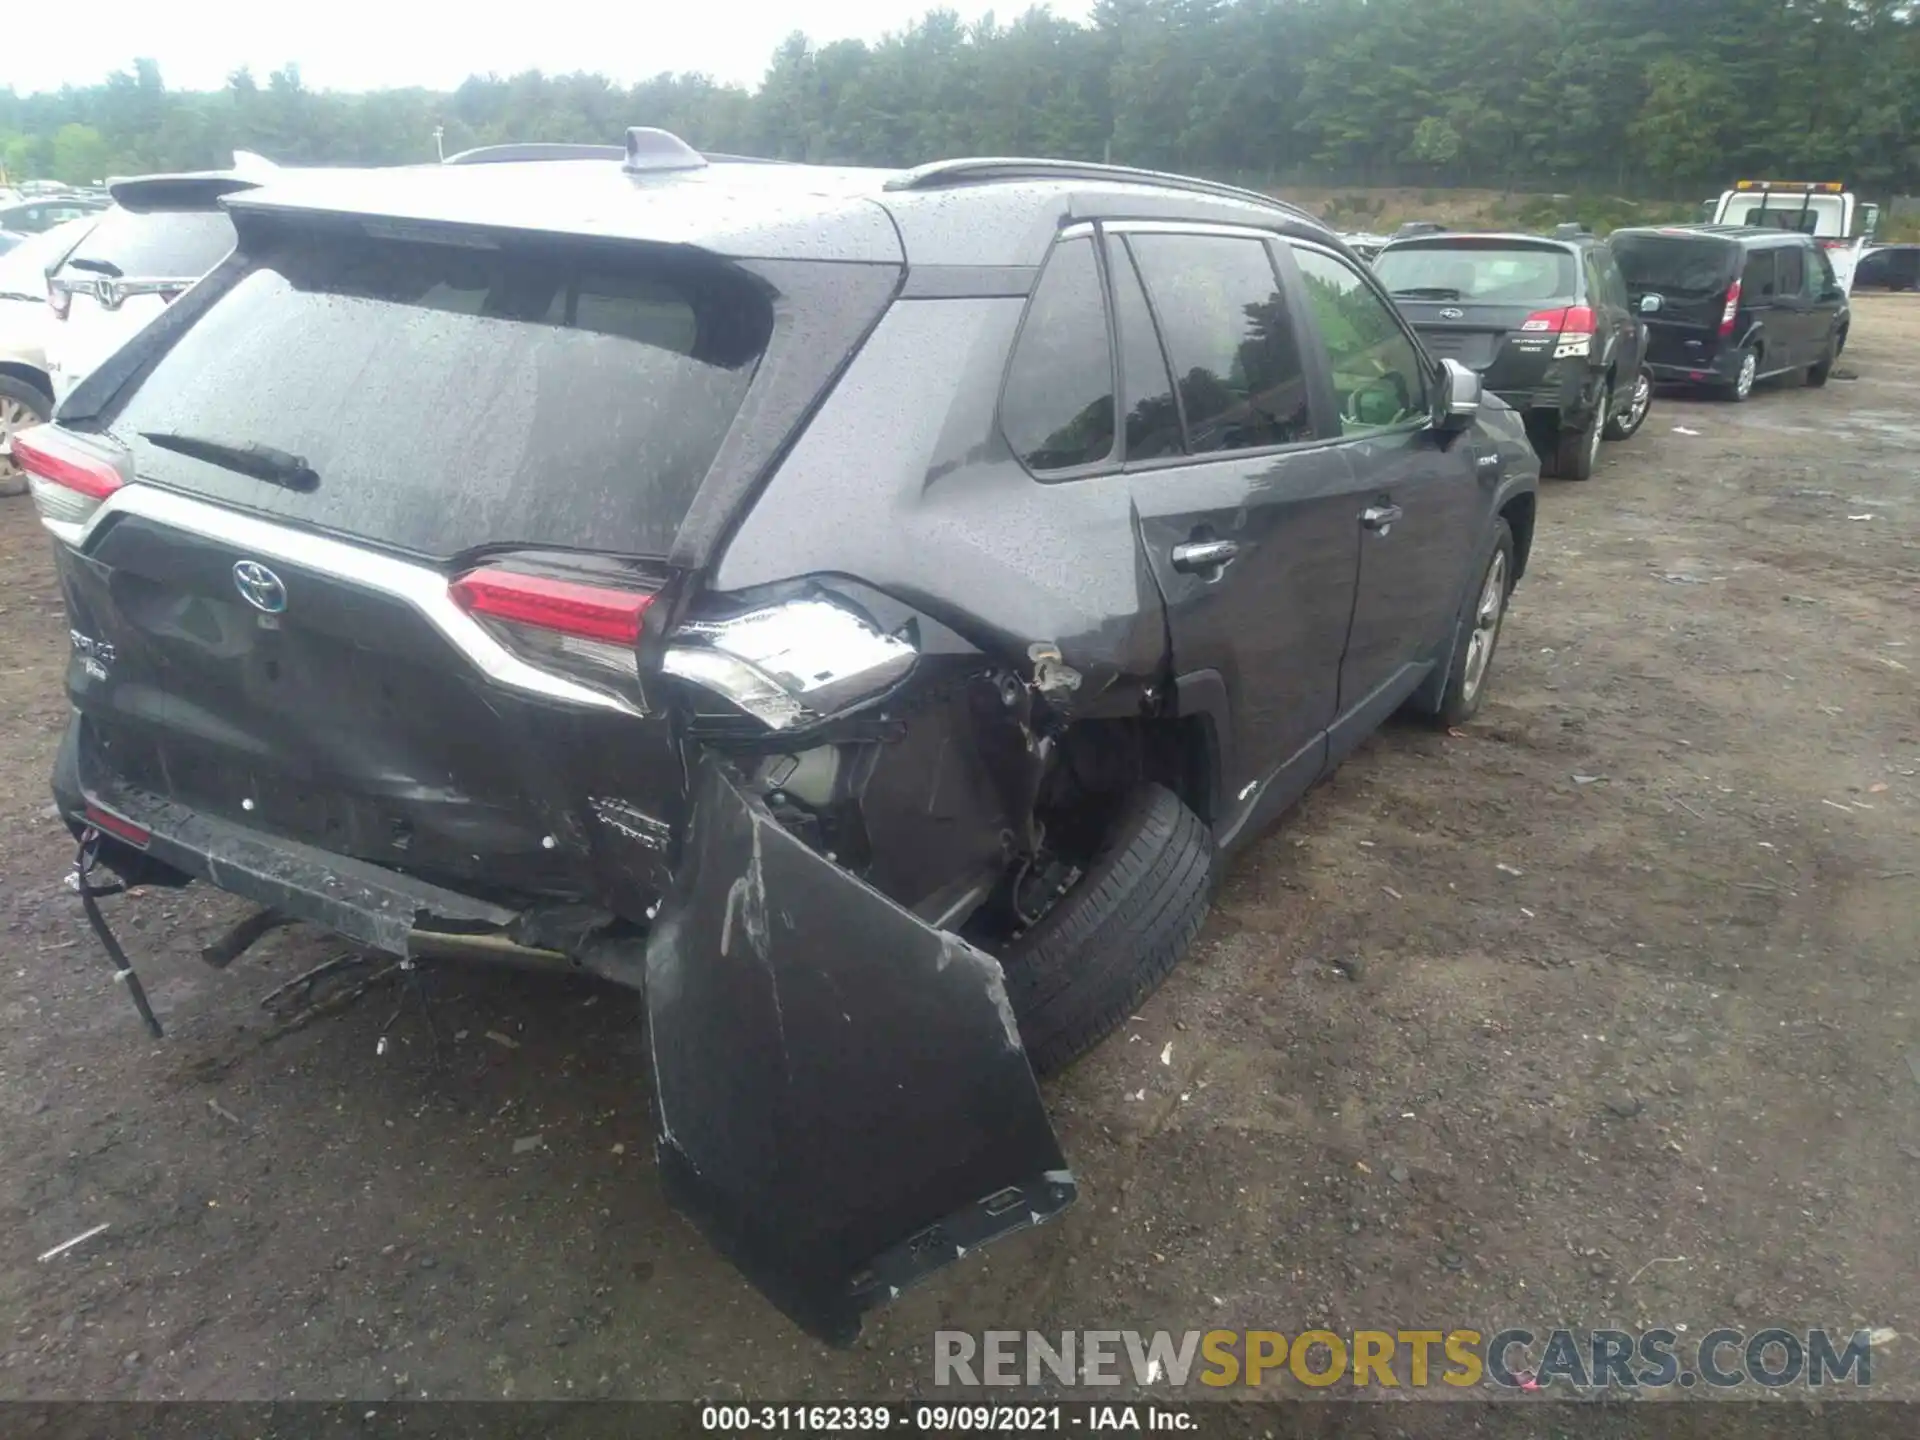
column 1602, row 1011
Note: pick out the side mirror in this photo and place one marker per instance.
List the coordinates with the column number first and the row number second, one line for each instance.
column 1458, row 401
column 1650, row 304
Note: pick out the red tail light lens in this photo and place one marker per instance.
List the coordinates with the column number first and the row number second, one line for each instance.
column 586, row 632
column 68, row 476
column 1732, row 308
column 109, row 823
column 565, row 607
column 1568, row 320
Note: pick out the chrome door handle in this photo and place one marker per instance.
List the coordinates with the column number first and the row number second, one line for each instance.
column 1380, row 517
column 1197, row 555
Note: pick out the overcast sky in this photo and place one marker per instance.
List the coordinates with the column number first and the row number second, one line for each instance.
column 373, row 44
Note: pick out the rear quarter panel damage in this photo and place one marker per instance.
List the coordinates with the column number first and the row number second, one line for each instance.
column 844, row 1104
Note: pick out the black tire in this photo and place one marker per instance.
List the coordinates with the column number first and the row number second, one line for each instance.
column 1819, row 374
column 1074, row 978
column 1739, row 390
column 17, row 395
column 1576, row 451
column 1624, row 417
column 1460, row 701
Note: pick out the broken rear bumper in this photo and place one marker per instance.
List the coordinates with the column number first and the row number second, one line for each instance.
column 842, row 1100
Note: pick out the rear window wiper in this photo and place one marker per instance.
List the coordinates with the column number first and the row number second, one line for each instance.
column 98, row 267
column 1429, row 292
column 262, row 462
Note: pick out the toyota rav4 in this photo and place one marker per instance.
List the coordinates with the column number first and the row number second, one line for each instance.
column 858, row 609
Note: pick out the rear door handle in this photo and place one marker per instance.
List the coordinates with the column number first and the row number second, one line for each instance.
column 1197, row 555
column 1380, row 517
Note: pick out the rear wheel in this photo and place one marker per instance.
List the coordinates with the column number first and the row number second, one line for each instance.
column 1477, row 632
column 1628, row 415
column 1819, row 374
column 1107, row 943
column 21, row 407
column 1742, row 384
column 1575, row 452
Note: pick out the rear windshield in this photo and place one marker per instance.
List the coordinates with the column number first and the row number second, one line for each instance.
column 451, row 397
column 1674, row 264
column 1492, row 274
column 156, row 244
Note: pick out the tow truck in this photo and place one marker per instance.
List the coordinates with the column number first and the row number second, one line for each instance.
column 1824, row 209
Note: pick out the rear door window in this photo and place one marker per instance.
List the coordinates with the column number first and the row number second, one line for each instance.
column 1234, row 352
column 1675, row 265
column 1793, row 271
column 155, row 244
column 1152, row 414
column 449, row 397
column 1057, row 410
column 1759, row 279
column 1487, row 273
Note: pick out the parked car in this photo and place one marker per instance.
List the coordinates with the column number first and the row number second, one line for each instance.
column 859, row 608
column 162, row 234
column 1729, row 305
column 1889, row 267
column 26, row 391
column 31, row 217
column 1544, row 321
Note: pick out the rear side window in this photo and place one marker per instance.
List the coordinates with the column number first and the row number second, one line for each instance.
column 1152, row 416
column 1058, row 408
column 1235, row 354
column 450, row 397
column 1759, row 279
column 1675, row 264
column 155, row 244
column 1491, row 274
column 1793, row 270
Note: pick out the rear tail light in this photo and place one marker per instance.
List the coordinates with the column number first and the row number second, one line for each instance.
column 585, row 631
column 59, row 300
column 70, row 477
column 1732, row 308
column 1567, row 320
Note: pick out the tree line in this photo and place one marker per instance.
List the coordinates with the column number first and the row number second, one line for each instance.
column 1630, row 96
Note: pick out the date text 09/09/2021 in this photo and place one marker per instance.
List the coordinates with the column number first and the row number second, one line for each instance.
column 997, row 1419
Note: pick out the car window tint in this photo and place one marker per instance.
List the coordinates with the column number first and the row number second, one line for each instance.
column 1793, row 271
column 446, row 397
column 1677, row 265
column 1494, row 272
column 1152, row 417
column 1379, row 376
column 1824, row 280
column 1058, row 409
column 1235, row 356
column 1757, row 280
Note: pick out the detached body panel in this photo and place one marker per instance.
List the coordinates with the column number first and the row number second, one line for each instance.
column 844, row 1103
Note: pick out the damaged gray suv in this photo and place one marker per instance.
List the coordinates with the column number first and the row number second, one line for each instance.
column 858, row 609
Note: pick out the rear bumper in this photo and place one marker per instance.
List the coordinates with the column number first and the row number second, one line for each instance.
column 368, row 904
column 842, row 1101
column 1721, row 368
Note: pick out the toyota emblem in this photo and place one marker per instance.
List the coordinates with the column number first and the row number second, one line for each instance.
column 259, row 587
column 1450, row 313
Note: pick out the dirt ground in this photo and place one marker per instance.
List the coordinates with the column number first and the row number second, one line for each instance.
column 1602, row 1011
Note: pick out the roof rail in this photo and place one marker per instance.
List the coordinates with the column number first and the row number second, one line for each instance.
column 986, row 169
column 535, row 150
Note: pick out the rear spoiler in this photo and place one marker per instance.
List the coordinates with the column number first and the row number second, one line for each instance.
column 195, row 191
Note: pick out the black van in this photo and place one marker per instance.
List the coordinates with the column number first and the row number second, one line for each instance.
column 1727, row 305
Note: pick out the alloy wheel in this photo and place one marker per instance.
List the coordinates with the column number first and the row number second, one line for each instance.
column 1487, row 614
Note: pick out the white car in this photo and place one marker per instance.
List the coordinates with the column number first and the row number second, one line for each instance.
column 162, row 234
column 26, row 392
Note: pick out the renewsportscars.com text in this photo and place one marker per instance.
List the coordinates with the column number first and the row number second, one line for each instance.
column 1514, row 1359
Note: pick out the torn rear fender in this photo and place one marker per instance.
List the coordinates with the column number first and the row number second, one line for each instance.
column 843, row 1101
